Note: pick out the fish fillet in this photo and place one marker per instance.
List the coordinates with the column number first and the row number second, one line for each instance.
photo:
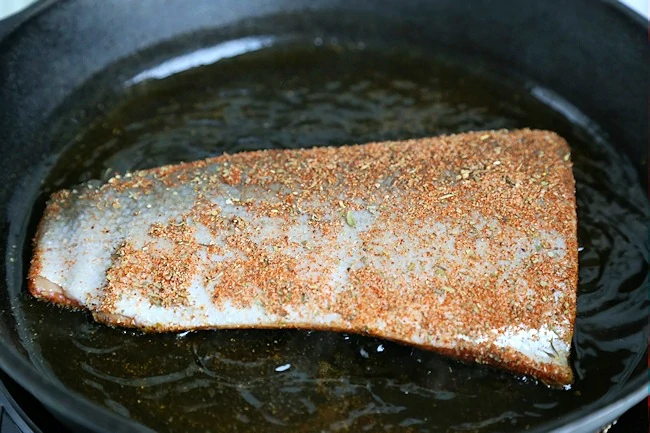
column 463, row 244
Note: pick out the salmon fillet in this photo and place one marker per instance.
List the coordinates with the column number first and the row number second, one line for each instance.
column 463, row 244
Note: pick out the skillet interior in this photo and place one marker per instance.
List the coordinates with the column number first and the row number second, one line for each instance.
column 623, row 354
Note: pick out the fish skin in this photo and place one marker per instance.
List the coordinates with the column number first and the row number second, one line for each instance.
column 463, row 244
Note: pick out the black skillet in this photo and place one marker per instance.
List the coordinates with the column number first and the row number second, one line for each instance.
column 83, row 93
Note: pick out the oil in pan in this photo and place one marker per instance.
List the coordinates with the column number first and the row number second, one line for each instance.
column 257, row 94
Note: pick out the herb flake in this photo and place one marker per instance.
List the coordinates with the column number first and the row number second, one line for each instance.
column 349, row 218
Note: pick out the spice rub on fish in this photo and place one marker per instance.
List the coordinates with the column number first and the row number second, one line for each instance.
column 463, row 244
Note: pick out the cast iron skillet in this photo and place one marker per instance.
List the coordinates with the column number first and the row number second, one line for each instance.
column 593, row 54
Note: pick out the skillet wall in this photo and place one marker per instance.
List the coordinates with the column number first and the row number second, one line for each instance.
column 560, row 45
column 574, row 48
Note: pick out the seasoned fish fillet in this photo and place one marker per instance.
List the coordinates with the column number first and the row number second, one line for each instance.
column 464, row 244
